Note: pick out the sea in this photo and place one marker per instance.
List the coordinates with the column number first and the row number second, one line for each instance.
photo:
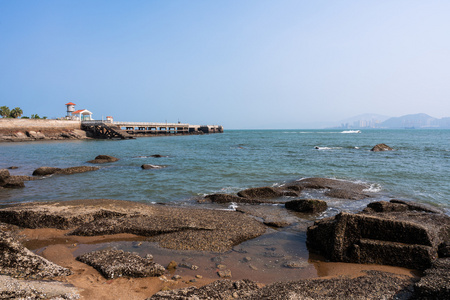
column 417, row 169
column 192, row 166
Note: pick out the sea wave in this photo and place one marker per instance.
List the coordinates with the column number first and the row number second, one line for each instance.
column 351, row 131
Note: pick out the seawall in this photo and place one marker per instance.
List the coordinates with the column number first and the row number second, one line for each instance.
column 17, row 130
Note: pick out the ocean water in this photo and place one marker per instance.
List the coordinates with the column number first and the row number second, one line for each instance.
column 418, row 169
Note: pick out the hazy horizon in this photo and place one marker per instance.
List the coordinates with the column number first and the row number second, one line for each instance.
column 242, row 64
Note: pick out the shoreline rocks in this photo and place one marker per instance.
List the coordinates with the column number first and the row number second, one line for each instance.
column 381, row 147
column 45, row 171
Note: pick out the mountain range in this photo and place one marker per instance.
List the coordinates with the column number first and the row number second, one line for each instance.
column 408, row 121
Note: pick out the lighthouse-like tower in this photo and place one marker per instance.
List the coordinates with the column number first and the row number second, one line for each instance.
column 70, row 109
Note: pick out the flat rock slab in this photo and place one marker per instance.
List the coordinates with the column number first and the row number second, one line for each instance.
column 374, row 285
column 117, row 263
column 11, row 288
column 45, row 171
column 18, row 261
column 220, row 289
column 173, row 227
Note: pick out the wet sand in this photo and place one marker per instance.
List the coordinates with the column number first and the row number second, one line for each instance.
column 260, row 260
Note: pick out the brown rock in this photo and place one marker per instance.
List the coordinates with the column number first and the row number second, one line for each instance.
column 407, row 239
column 18, row 261
column 307, row 205
column 75, row 170
column 101, row 159
column 226, row 198
column 381, row 147
column 261, row 193
column 117, row 263
column 436, row 282
column 148, row 166
column 345, row 194
column 45, row 171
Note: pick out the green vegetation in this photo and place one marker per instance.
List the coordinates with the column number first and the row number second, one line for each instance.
column 5, row 112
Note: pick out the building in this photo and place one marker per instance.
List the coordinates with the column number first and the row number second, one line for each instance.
column 80, row 115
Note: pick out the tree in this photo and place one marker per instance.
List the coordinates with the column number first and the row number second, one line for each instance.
column 35, row 116
column 4, row 111
column 16, row 112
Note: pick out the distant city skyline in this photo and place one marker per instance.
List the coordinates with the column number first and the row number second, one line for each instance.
column 242, row 64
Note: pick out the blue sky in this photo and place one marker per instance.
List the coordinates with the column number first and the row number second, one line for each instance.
column 242, row 64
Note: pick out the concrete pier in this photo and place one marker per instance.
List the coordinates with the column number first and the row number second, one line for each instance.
column 124, row 130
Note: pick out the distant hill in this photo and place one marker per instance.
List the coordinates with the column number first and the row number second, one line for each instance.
column 416, row 121
column 408, row 121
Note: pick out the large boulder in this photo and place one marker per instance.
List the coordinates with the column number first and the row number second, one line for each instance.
column 101, row 159
column 18, row 261
column 408, row 239
column 381, row 147
column 307, row 205
column 117, row 263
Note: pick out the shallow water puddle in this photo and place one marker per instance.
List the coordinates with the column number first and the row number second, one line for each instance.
column 277, row 256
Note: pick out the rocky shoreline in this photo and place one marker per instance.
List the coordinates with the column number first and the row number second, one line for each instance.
column 396, row 233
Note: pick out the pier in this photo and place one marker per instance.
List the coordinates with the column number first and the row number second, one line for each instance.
column 129, row 130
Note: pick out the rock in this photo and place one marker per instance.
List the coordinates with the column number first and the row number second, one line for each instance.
column 381, row 147
column 345, row 194
column 327, row 183
column 226, row 198
column 4, row 174
column 157, row 155
column 224, row 273
column 277, row 223
column 307, row 205
column 45, row 171
column 220, row 289
column 36, row 135
column 176, row 277
column 101, row 159
column 375, row 285
column 117, row 263
column 18, row 261
column 261, row 193
column 406, row 239
column 436, row 282
column 172, row 227
column 11, row 288
column 148, row 166
column 75, row 170
column 13, row 167
column 172, row 265
column 13, row 182
column 8, row 181
column 188, row 266
column 295, row 264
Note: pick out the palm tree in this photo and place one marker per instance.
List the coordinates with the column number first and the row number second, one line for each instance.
column 16, row 112
column 4, row 111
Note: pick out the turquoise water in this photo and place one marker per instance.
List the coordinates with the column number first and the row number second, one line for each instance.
column 418, row 169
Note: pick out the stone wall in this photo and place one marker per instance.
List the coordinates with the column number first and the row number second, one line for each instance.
column 32, row 129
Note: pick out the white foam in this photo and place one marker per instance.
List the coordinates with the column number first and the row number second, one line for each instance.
column 373, row 188
column 327, row 148
column 351, row 131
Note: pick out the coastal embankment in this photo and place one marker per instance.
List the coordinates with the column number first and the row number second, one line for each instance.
column 20, row 130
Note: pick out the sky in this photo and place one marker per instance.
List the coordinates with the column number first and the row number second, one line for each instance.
column 243, row 64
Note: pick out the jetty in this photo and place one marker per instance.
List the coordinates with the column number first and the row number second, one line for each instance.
column 109, row 129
